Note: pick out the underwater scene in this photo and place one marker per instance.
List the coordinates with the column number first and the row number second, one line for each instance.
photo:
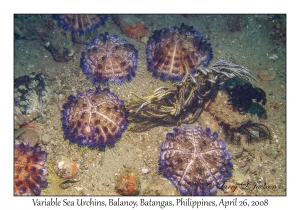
column 150, row 104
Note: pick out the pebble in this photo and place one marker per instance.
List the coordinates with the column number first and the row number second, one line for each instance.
column 46, row 43
column 145, row 39
column 145, row 170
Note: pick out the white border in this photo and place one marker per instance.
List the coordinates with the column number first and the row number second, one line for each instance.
column 7, row 201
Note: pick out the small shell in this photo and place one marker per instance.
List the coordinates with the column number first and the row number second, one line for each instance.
column 66, row 168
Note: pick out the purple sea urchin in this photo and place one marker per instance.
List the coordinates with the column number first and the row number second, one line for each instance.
column 29, row 169
column 80, row 22
column 169, row 49
column 94, row 118
column 109, row 59
column 195, row 160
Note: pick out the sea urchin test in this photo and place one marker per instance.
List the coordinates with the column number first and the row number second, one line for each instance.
column 94, row 118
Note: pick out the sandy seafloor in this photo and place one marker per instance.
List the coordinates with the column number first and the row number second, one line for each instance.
column 250, row 46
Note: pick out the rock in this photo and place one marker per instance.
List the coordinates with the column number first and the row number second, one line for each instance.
column 145, row 170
